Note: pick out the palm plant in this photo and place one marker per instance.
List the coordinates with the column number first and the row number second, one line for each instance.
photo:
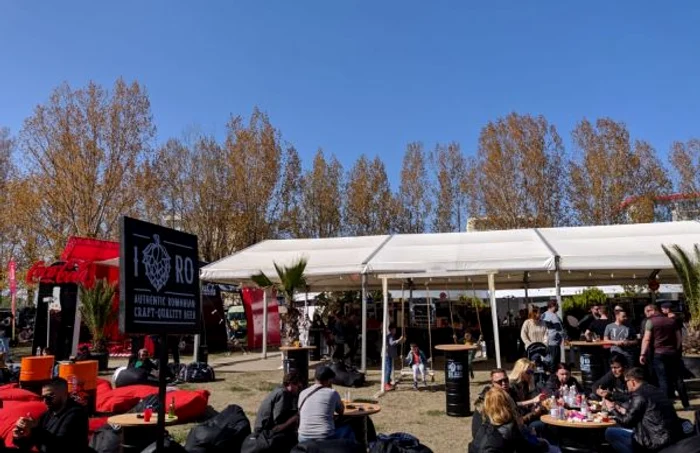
column 97, row 311
column 687, row 268
column 290, row 278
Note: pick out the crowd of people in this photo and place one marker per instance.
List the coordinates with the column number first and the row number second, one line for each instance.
column 657, row 347
column 637, row 389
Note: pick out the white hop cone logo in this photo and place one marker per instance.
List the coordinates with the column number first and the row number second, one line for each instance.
column 157, row 262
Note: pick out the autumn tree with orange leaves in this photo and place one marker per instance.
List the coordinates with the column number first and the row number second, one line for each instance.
column 84, row 151
column 522, row 175
column 608, row 169
column 322, row 196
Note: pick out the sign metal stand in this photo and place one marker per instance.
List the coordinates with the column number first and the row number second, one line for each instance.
column 159, row 291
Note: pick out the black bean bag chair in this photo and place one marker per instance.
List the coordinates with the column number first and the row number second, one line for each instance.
column 134, row 376
column 691, row 444
column 223, row 433
column 328, row 446
column 107, row 440
column 347, row 377
column 169, row 446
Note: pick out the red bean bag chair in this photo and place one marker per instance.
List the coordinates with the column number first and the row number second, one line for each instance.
column 96, row 423
column 14, row 385
column 12, row 411
column 17, row 394
column 122, row 399
column 103, row 386
column 190, row 405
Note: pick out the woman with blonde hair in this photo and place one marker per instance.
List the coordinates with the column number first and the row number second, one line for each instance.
column 502, row 430
column 534, row 329
column 523, row 383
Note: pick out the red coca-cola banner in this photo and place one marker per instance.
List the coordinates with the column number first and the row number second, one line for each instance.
column 72, row 271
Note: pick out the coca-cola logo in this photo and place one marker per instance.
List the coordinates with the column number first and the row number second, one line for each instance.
column 71, row 271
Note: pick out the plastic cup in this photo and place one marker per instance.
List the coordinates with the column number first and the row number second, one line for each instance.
column 147, row 414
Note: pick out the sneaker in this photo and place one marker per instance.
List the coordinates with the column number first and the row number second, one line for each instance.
column 388, row 388
column 415, row 385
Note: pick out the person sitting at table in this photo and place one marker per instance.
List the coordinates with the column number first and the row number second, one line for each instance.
column 63, row 428
column 612, row 385
column 502, row 430
column 525, row 395
column 417, row 361
column 561, row 377
column 278, row 414
column 648, row 421
column 317, row 406
column 499, row 379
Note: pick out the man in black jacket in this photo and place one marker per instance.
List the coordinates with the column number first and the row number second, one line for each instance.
column 63, row 428
column 649, row 422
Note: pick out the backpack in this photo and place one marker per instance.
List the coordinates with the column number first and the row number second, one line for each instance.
column 347, row 377
column 224, row 432
column 169, row 446
column 398, row 443
column 107, row 439
column 197, row 372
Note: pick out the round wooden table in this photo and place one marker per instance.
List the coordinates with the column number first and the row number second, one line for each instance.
column 362, row 410
column 298, row 361
column 136, row 433
column 457, row 398
column 592, row 361
column 580, row 437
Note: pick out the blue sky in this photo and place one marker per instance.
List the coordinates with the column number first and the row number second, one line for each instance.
column 366, row 77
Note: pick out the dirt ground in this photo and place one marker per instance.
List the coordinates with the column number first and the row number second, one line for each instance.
column 421, row 413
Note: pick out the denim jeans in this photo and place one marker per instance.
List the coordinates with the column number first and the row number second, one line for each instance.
column 620, row 439
column 389, row 363
column 341, row 432
column 667, row 368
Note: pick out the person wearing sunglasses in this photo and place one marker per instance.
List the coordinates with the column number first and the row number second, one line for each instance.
column 64, row 427
column 499, row 379
column 647, row 422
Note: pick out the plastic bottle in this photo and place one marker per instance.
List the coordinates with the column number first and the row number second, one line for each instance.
column 171, row 409
column 38, row 350
column 584, row 408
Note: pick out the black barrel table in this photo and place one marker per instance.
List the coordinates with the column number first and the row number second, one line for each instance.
column 457, row 378
column 592, row 361
column 297, row 360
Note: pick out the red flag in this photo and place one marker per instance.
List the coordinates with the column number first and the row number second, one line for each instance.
column 13, row 277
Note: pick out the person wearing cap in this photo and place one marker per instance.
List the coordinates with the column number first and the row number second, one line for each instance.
column 318, row 406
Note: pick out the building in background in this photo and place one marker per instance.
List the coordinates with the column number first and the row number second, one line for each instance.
column 675, row 207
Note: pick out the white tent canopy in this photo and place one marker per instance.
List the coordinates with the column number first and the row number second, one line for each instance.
column 509, row 259
column 331, row 262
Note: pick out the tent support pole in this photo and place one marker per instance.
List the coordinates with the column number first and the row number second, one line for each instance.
column 363, row 362
column 385, row 328
column 264, row 326
column 560, row 311
column 494, row 319
column 526, row 282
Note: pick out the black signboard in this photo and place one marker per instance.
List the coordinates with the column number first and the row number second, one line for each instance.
column 159, row 280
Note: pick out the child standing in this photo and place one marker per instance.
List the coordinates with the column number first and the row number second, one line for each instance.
column 416, row 360
column 392, row 353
